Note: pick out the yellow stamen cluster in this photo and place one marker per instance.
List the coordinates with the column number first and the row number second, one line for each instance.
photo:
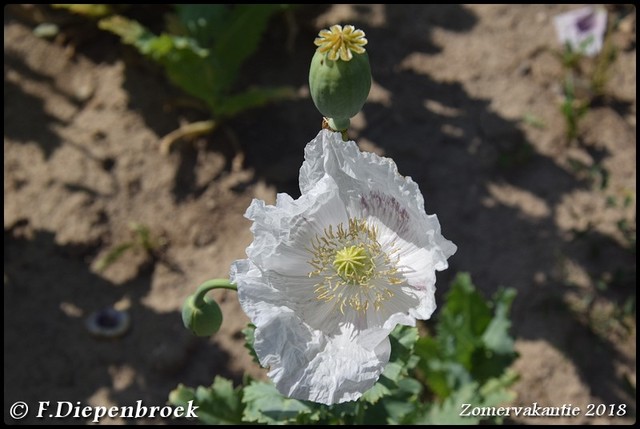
column 341, row 42
column 352, row 268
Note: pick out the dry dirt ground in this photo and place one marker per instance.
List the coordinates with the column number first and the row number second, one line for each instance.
column 465, row 100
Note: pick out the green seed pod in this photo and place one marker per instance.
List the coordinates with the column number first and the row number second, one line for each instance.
column 201, row 316
column 340, row 74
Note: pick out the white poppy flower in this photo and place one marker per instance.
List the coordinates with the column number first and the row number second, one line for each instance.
column 329, row 275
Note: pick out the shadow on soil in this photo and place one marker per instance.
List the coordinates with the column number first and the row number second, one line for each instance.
column 49, row 291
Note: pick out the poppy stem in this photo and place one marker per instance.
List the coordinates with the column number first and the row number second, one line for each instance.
column 210, row 285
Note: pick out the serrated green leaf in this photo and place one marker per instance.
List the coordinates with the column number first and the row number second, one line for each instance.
column 264, row 404
column 337, row 413
column 402, row 359
column 412, row 362
column 218, row 404
column 463, row 320
column 495, row 390
column 448, row 412
column 427, row 348
column 491, row 394
column 443, row 376
column 410, row 386
column 403, row 340
column 181, row 395
column 401, row 405
column 393, row 371
column 472, row 341
column 373, row 395
column 406, row 336
column 496, row 337
column 249, row 339
column 398, row 411
column 381, row 400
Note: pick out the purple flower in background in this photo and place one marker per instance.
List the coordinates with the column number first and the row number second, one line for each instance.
column 582, row 29
column 586, row 23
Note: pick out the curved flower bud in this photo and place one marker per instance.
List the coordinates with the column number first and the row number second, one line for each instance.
column 201, row 316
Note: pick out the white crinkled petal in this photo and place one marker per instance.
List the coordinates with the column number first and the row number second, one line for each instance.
column 305, row 363
column 259, row 300
column 309, row 365
column 372, row 188
column 371, row 185
column 283, row 232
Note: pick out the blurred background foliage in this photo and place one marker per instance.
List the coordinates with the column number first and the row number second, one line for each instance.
column 202, row 49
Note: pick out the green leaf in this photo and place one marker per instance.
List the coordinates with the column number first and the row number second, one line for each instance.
column 448, row 412
column 131, row 32
column 497, row 348
column 181, row 395
column 496, row 337
column 491, row 394
column 403, row 339
column 410, row 386
column 113, row 255
column 393, row 371
column 249, row 339
column 87, row 10
column 495, row 390
column 191, row 71
column 403, row 404
column 205, row 56
column 394, row 398
column 143, row 235
column 218, row 404
column 462, row 321
column 402, row 359
column 184, row 60
column 398, row 410
column 435, row 374
column 378, row 391
column 251, row 98
column 472, row 341
column 443, row 376
column 239, row 38
column 343, row 413
column 203, row 22
column 264, row 404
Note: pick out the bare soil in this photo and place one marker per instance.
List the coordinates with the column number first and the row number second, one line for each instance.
column 454, row 86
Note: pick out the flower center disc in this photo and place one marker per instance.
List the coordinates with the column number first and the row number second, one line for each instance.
column 354, row 264
column 351, row 267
